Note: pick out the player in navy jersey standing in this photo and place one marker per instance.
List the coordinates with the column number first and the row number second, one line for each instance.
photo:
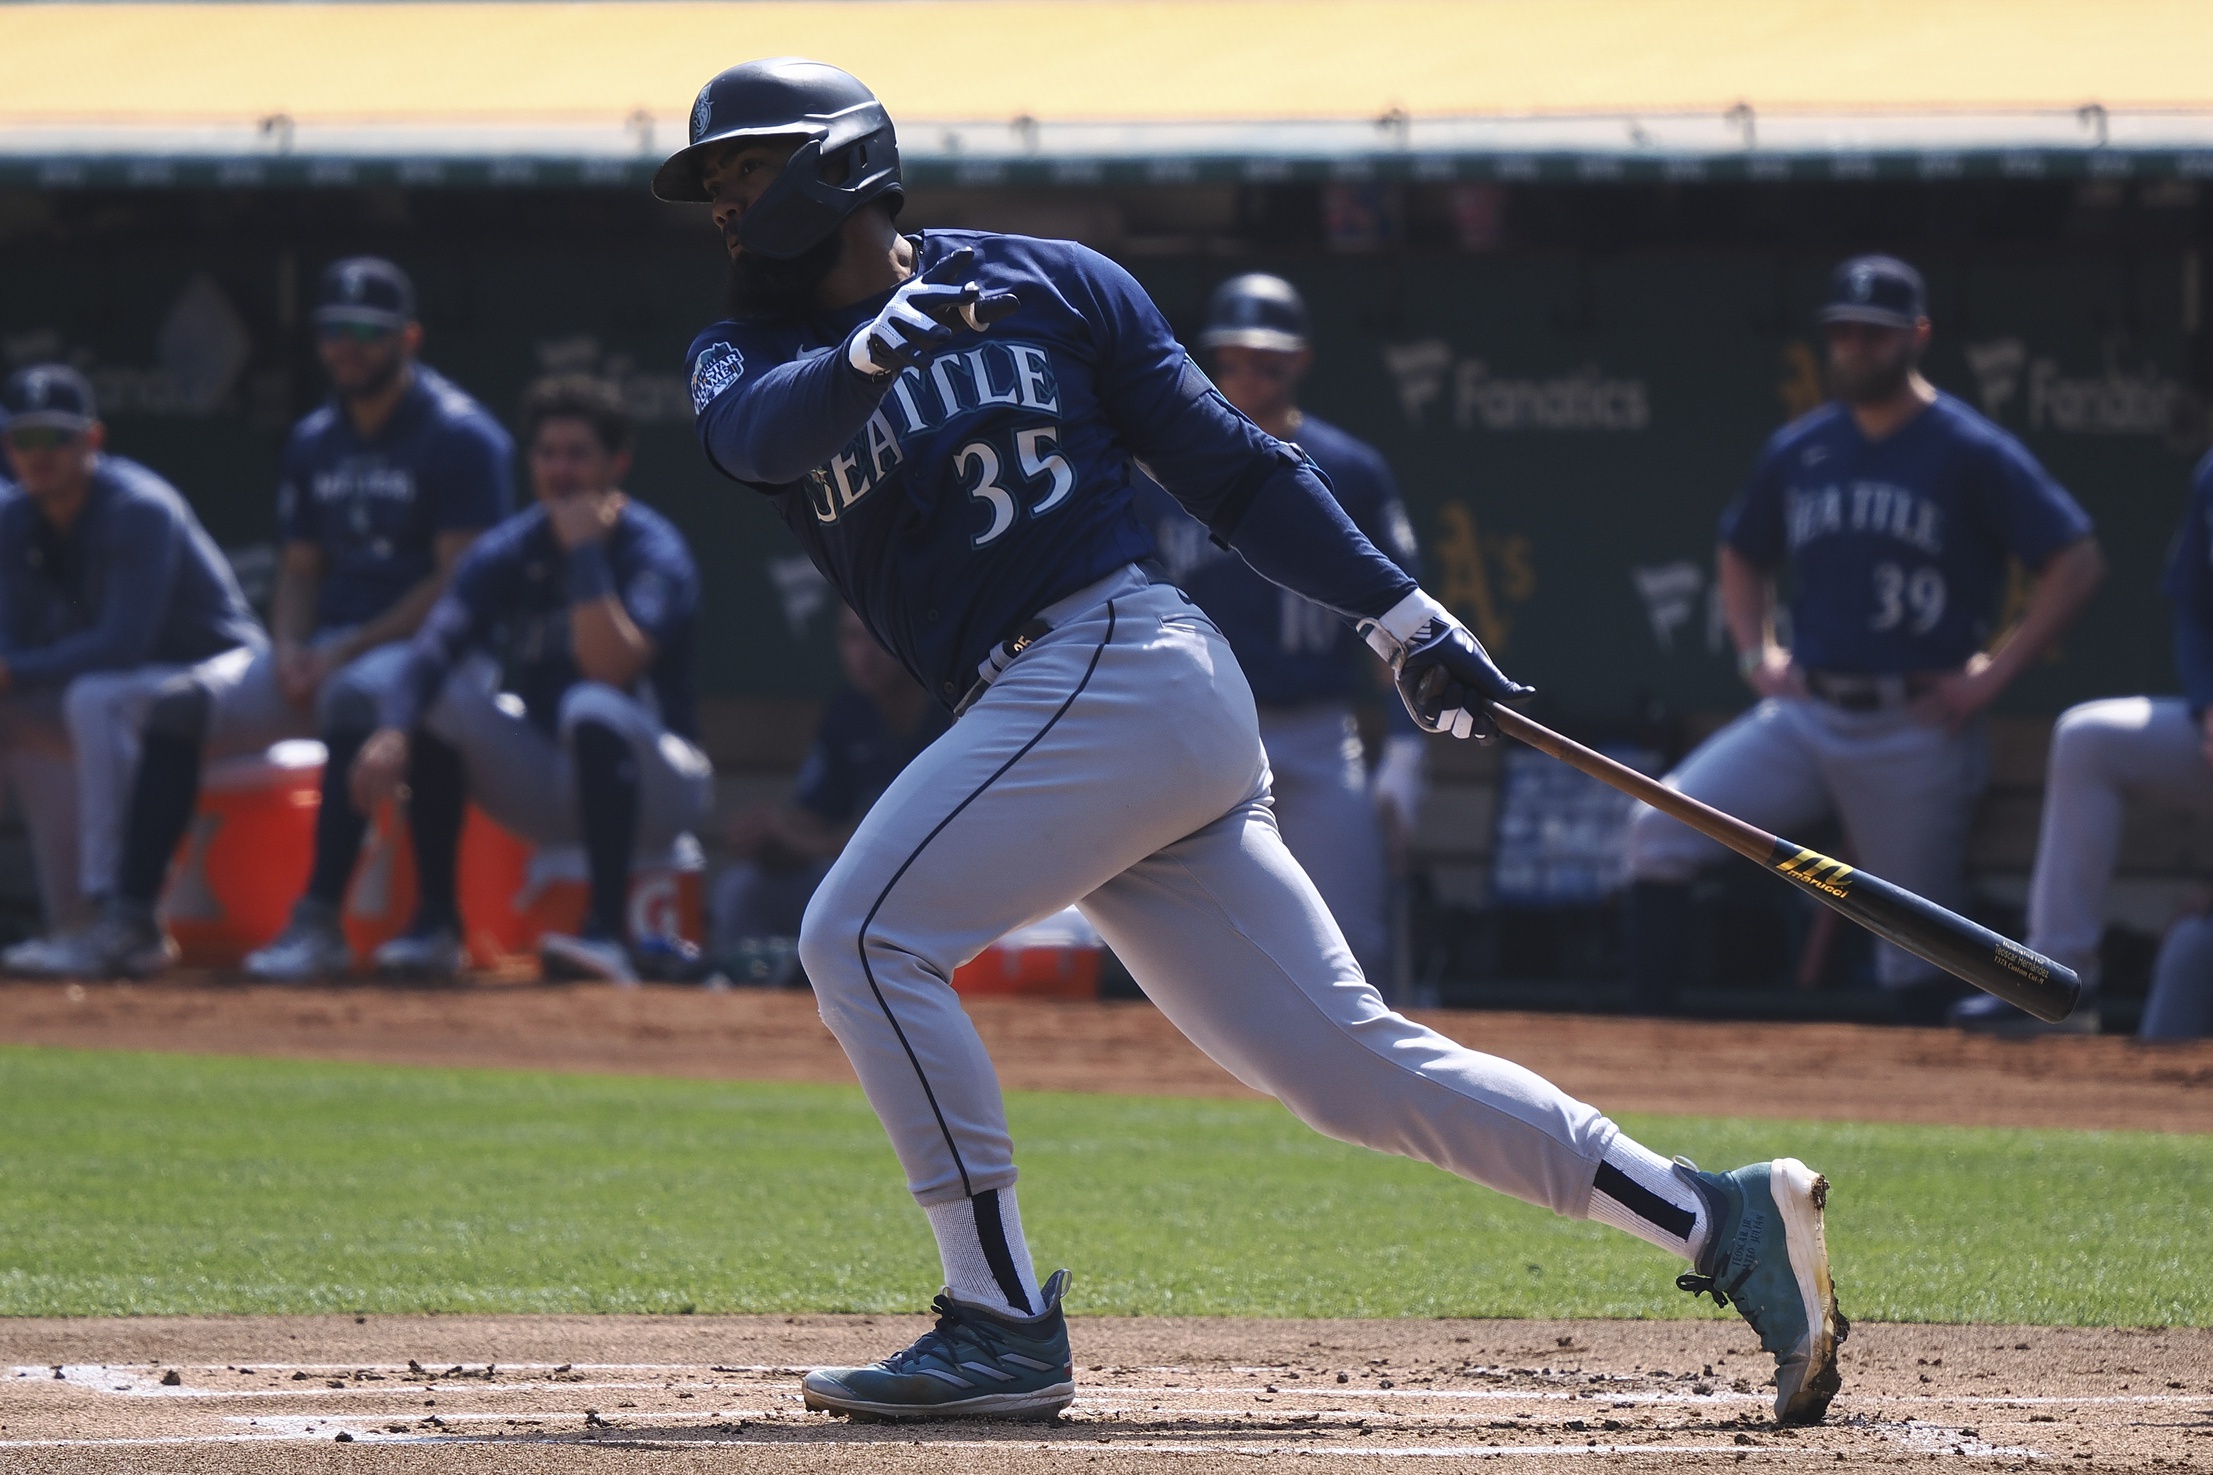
column 1303, row 662
column 948, row 422
column 384, row 487
column 592, row 598
column 1895, row 507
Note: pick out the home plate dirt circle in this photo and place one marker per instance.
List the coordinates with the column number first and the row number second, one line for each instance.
column 1188, row 1395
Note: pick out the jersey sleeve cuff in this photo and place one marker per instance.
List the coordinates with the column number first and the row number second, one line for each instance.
column 1400, row 623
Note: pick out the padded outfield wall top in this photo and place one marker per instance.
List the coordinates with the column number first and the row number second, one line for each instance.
column 1074, row 90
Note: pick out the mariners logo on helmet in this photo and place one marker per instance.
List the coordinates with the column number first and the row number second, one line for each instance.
column 1863, row 283
column 842, row 151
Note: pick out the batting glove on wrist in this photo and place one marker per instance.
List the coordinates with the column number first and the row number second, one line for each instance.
column 925, row 313
column 1444, row 675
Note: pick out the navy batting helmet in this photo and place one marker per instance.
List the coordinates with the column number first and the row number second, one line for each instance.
column 1255, row 311
column 850, row 155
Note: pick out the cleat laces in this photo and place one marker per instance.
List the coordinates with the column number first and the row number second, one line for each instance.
column 945, row 1340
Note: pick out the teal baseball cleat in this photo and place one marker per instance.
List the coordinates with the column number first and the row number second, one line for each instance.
column 974, row 1364
column 1766, row 1255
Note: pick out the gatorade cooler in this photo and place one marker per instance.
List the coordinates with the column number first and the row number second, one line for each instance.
column 665, row 892
column 246, row 858
column 1057, row 958
column 492, row 867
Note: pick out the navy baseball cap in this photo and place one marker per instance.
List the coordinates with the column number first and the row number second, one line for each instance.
column 1255, row 311
column 365, row 289
column 1875, row 289
column 51, row 395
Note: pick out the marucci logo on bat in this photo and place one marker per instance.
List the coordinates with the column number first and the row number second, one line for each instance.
column 1814, row 869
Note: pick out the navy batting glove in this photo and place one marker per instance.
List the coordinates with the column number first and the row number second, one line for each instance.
column 925, row 313
column 1444, row 675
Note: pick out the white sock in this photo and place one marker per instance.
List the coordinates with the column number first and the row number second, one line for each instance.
column 1644, row 1195
column 972, row 1234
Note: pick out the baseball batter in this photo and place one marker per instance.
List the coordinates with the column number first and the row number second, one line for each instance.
column 947, row 421
column 1301, row 661
column 1895, row 507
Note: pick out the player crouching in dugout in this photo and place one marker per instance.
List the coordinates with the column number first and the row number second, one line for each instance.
column 592, row 597
column 1895, row 506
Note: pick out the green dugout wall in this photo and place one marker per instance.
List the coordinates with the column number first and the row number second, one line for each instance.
column 1568, row 410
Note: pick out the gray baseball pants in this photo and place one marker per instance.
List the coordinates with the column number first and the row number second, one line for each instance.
column 2180, row 1005
column 1319, row 776
column 41, row 770
column 1117, row 765
column 247, row 712
column 1904, row 790
column 2103, row 752
column 525, row 777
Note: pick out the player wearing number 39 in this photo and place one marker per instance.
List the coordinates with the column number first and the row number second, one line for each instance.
column 949, row 421
column 1895, row 507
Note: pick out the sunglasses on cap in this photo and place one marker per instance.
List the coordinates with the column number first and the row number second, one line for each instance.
column 41, row 437
column 353, row 332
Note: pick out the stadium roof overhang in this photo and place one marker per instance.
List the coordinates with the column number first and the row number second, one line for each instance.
column 1142, row 91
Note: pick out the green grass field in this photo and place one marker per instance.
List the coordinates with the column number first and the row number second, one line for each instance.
column 174, row 1184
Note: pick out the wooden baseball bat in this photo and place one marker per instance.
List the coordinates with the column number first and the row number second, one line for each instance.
column 1965, row 949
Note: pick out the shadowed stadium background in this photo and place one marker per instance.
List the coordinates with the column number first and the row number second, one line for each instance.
column 1562, row 259
column 1561, row 256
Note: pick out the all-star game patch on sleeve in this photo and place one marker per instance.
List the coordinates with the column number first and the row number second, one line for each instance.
column 772, row 403
column 715, row 368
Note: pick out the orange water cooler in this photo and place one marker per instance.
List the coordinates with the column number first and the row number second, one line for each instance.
column 1057, row 958
column 246, row 859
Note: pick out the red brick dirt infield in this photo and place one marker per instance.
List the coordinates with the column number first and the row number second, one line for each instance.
column 683, row 1394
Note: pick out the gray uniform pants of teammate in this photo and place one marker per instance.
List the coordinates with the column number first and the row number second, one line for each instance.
column 1904, row 790
column 2102, row 754
column 1319, row 776
column 1117, row 764
column 525, row 778
column 247, row 711
column 41, row 771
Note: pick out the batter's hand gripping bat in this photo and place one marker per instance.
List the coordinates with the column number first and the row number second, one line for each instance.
column 1991, row 963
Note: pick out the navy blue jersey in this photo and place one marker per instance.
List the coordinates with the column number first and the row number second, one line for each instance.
column 951, row 502
column 135, row 581
column 1898, row 546
column 510, row 595
column 856, row 755
column 1292, row 650
column 2189, row 583
column 375, row 507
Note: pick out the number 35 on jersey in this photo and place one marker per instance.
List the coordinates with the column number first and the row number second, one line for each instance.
column 1010, row 470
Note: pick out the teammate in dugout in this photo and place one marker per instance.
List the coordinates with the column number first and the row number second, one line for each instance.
column 948, row 422
column 384, row 486
column 2158, row 749
column 1895, row 507
column 594, row 598
column 1301, row 661
column 869, row 732
column 105, row 575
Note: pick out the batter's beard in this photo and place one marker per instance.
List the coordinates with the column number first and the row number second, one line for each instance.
column 762, row 289
column 1874, row 384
